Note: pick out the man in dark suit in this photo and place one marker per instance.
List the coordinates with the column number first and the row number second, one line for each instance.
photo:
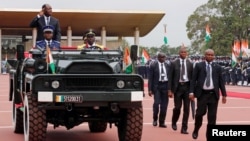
column 206, row 84
column 157, row 87
column 44, row 18
column 178, row 86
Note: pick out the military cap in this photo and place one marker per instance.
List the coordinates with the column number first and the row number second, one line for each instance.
column 90, row 32
column 48, row 28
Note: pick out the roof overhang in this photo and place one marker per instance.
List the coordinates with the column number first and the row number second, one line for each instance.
column 116, row 23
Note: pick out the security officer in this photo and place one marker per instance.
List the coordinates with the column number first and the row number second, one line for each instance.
column 48, row 41
column 90, row 41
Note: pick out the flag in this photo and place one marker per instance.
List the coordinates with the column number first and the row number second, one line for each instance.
column 50, row 61
column 145, row 57
column 165, row 39
column 127, row 62
column 244, row 48
column 236, row 52
column 234, row 60
column 208, row 36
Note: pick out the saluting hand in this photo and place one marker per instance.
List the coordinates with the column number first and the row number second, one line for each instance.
column 41, row 13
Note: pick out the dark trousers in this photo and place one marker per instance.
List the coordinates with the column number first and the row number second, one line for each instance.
column 181, row 96
column 207, row 102
column 160, row 102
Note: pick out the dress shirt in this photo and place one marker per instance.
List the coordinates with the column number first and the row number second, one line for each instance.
column 160, row 73
column 186, row 74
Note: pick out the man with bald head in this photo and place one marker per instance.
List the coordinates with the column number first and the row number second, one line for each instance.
column 206, row 84
column 178, row 87
column 45, row 18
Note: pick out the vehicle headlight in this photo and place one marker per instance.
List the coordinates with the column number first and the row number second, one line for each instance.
column 120, row 84
column 55, row 84
column 137, row 84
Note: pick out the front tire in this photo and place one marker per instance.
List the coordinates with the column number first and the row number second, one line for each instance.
column 17, row 117
column 35, row 124
column 130, row 126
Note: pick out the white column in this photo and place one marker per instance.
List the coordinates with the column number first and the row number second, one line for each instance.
column 103, row 36
column 34, row 35
column 120, row 40
column 136, row 38
column 69, row 36
column 1, row 50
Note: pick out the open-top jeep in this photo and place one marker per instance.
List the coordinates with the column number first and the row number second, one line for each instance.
column 86, row 86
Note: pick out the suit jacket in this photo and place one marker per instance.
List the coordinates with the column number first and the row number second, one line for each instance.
column 199, row 76
column 154, row 75
column 39, row 23
column 174, row 73
column 54, row 45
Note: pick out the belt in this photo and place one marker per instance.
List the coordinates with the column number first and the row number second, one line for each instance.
column 161, row 82
column 184, row 83
column 208, row 91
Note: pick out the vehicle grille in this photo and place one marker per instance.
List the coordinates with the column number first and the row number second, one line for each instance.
column 78, row 84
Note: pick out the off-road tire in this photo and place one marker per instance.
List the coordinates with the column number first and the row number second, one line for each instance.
column 97, row 126
column 17, row 118
column 35, row 125
column 131, row 125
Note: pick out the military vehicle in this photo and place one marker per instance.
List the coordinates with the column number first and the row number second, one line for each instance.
column 72, row 87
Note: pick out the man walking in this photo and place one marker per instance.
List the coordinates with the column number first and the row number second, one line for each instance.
column 157, row 87
column 206, row 84
column 178, row 86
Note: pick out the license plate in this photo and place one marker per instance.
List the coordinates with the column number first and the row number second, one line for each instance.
column 69, row 98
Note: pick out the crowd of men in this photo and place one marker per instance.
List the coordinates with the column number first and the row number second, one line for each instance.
column 237, row 75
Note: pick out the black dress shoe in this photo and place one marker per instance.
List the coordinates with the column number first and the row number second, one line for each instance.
column 163, row 125
column 174, row 126
column 154, row 123
column 195, row 135
column 184, row 131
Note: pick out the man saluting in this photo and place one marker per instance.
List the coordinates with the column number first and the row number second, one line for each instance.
column 44, row 18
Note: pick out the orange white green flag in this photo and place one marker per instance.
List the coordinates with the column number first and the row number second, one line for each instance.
column 244, row 47
column 208, row 34
column 50, row 61
column 145, row 56
column 127, row 62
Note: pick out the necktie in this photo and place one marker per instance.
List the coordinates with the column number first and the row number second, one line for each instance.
column 48, row 43
column 182, row 70
column 162, row 72
column 208, row 75
column 47, row 20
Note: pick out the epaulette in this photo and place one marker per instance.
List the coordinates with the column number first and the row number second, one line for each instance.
column 100, row 46
column 39, row 41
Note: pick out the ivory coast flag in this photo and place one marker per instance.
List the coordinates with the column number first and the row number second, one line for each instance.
column 234, row 60
column 50, row 61
column 244, row 47
column 127, row 63
column 145, row 56
column 208, row 36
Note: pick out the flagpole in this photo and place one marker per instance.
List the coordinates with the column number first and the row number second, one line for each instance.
column 47, row 58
